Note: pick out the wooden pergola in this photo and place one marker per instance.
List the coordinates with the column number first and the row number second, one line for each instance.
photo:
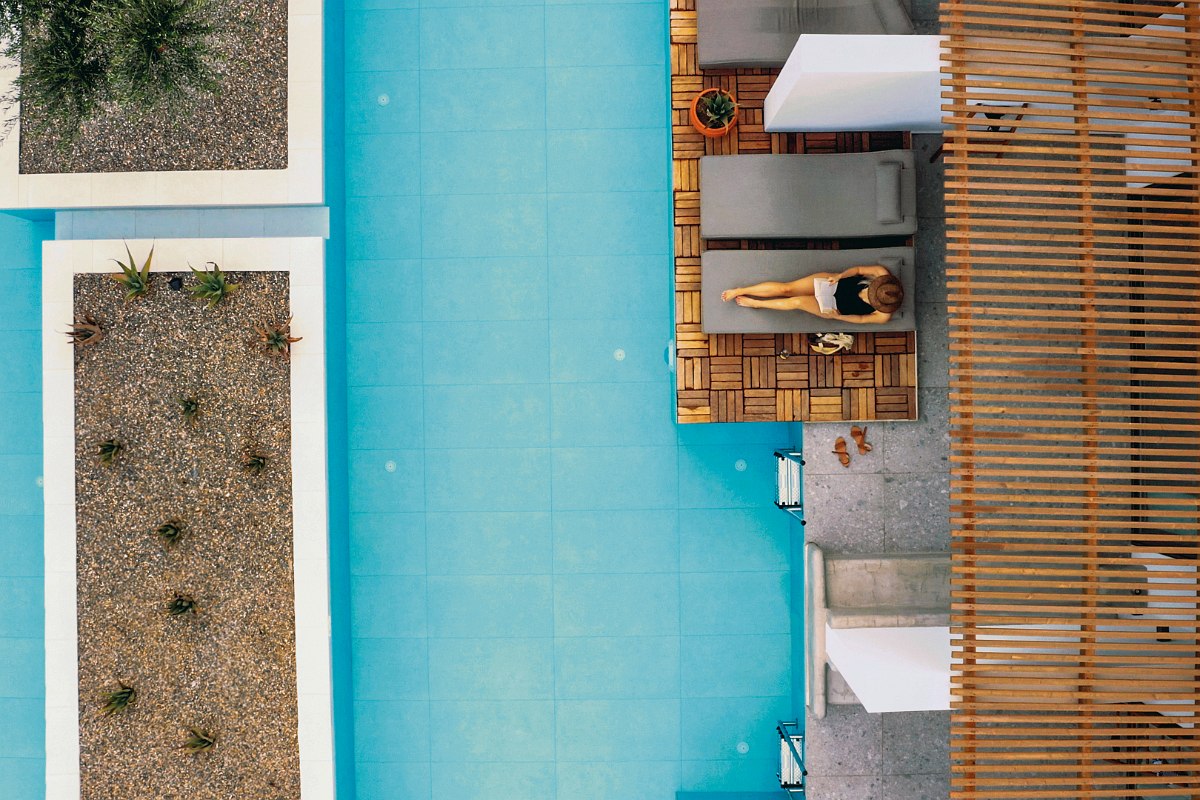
column 1073, row 213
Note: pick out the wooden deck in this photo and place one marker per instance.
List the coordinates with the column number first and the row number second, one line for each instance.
column 741, row 377
column 1075, row 398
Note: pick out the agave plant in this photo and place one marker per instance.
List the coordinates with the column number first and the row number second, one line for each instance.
column 169, row 532
column 121, row 699
column 200, row 740
column 85, row 330
column 277, row 339
column 211, row 285
column 181, row 604
column 135, row 280
column 255, row 462
column 190, row 406
column 717, row 109
column 108, row 450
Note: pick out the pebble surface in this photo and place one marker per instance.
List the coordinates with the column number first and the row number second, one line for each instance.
column 241, row 125
column 230, row 668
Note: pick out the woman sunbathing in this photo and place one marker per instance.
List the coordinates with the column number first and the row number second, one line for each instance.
column 864, row 295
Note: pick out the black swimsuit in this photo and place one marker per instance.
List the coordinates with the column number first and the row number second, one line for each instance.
column 846, row 297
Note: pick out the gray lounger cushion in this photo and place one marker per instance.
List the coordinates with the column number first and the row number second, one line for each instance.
column 762, row 33
column 808, row 196
column 725, row 269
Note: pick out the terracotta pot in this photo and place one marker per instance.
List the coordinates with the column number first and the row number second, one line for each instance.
column 712, row 133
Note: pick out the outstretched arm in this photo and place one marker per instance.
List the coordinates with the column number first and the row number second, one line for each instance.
column 865, row 270
column 877, row 318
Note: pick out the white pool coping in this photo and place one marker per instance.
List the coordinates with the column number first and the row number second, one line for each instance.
column 304, row 258
column 301, row 183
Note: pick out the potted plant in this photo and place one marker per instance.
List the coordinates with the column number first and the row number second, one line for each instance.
column 714, row 112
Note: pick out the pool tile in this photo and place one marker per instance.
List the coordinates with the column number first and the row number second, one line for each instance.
column 383, row 354
column 385, row 417
column 488, row 781
column 627, row 780
column 22, row 301
column 735, row 602
column 611, row 287
column 617, row 730
column 620, row 667
column 387, row 606
column 743, row 774
column 383, row 290
column 488, row 479
column 387, row 544
column 608, row 160
column 598, row 414
column 571, row 94
column 775, row 435
column 483, row 162
column 491, row 669
column 616, row 605
column 726, row 540
column 490, row 606
column 527, row 725
column 25, row 715
column 477, row 289
column 391, row 669
column 20, row 494
column 23, row 674
column 712, row 728
column 606, row 34
column 493, row 415
column 587, row 351
column 364, row 112
column 383, row 780
column 375, row 487
column 391, row 730
column 383, row 227
column 380, row 39
column 21, row 611
column 466, row 38
column 616, row 223
column 709, row 477
column 21, row 424
column 477, row 99
column 21, row 546
column 615, row 477
column 507, row 351
column 717, row 666
column 24, row 777
column 20, row 369
column 491, row 543
column 616, row 541
column 482, row 225
column 385, row 165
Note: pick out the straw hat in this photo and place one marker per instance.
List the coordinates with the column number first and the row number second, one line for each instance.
column 885, row 294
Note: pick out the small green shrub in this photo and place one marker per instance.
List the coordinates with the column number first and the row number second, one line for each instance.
column 181, row 604
column 717, row 109
column 63, row 71
column 108, row 450
column 121, row 699
column 136, row 281
column 200, row 740
column 277, row 339
column 255, row 462
column 169, row 532
column 190, row 407
column 85, row 330
column 158, row 50
column 211, row 285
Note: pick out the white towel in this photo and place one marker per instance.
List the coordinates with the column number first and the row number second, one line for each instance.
column 824, row 288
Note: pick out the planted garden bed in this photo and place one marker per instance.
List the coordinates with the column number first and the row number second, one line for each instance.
column 226, row 666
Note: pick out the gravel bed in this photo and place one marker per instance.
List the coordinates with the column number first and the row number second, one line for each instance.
column 230, row 668
column 242, row 125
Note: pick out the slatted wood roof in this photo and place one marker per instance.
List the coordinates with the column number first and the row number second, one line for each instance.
column 1074, row 281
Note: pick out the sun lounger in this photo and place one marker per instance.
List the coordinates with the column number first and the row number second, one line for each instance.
column 762, row 33
column 725, row 269
column 808, row 196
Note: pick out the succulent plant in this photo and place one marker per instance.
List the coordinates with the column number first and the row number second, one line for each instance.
column 277, row 339
column 181, row 604
column 85, row 330
column 135, row 280
column 169, row 532
column 108, row 450
column 211, row 285
column 717, row 109
column 200, row 740
column 121, row 699
column 255, row 462
column 190, row 406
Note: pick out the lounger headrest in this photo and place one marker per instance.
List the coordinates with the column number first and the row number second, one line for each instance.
column 887, row 193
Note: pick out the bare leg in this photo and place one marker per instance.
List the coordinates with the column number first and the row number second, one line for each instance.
column 797, row 288
column 802, row 303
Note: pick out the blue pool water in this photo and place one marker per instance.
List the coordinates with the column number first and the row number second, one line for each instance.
column 543, row 587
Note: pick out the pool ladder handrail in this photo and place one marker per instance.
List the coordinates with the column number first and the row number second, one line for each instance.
column 789, row 737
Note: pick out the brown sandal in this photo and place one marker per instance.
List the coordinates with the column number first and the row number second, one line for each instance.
column 839, row 450
column 859, row 435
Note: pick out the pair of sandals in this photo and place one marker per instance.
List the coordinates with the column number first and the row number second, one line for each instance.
column 859, row 435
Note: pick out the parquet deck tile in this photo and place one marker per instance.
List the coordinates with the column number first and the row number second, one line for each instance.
column 765, row 377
